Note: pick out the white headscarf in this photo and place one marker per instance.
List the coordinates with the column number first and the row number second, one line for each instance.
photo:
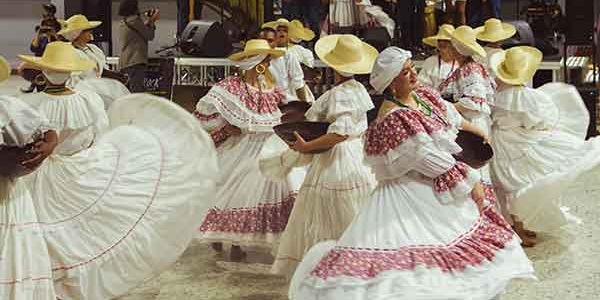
column 72, row 35
column 250, row 62
column 388, row 65
column 462, row 50
column 56, row 77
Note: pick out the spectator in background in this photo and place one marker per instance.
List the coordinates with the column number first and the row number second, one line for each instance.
column 183, row 15
column 135, row 34
column 308, row 11
column 478, row 11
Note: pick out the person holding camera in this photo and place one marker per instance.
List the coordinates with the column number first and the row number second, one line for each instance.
column 135, row 33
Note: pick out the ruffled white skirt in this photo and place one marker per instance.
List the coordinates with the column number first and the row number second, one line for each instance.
column 405, row 244
column 124, row 210
column 249, row 209
column 25, row 271
column 109, row 89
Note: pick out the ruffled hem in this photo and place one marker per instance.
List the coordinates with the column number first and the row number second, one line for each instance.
column 475, row 104
column 20, row 124
column 456, row 184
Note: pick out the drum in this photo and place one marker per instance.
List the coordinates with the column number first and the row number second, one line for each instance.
column 307, row 130
column 475, row 152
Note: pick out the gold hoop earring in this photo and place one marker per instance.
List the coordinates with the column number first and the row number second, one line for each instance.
column 260, row 69
column 39, row 80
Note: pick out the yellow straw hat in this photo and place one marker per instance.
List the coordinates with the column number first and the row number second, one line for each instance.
column 274, row 24
column 443, row 34
column 346, row 53
column 77, row 22
column 464, row 37
column 60, row 57
column 256, row 47
column 4, row 69
column 297, row 31
column 494, row 31
column 516, row 65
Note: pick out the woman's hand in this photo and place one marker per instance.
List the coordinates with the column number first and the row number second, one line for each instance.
column 233, row 130
column 478, row 195
column 300, row 144
column 42, row 149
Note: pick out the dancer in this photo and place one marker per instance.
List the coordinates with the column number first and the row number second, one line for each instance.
column 347, row 16
column 240, row 113
column 298, row 33
column 118, row 207
column 25, row 271
column 438, row 68
column 427, row 232
column 539, row 143
column 493, row 33
column 337, row 183
column 470, row 86
column 78, row 30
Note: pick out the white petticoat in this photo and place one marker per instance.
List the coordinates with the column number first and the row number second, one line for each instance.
column 109, row 89
column 122, row 211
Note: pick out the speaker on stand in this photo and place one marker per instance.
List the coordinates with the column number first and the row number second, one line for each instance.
column 205, row 39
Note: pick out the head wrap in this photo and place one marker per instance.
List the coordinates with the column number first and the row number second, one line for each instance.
column 57, row 77
column 71, row 35
column 251, row 62
column 388, row 65
column 462, row 50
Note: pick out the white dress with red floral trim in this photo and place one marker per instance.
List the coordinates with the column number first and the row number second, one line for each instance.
column 540, row 151
column 435, row 71
column 249, row 209
column 421, row 236
column 25, row 271
column 337, row 183
column 118, row 201
column 472, row 87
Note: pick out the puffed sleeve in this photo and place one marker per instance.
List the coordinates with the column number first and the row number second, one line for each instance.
column 425, row 76
column 295, row 73
column 454, row 117
column 346, row 109
column 20, row 124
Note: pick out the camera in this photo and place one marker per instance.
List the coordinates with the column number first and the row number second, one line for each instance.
column 151, row 12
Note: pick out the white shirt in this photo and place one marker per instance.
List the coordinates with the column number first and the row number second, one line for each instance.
column 435, row 71
column 303, row 55
column 288, row 75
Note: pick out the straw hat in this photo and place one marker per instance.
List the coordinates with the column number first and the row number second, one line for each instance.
column 346, row 53
column 77, row 22
column 494, row 31
column 4, row 69
column 443, row 34
column 60, row 57
column 279, row 22
column 465, row 37
column 297, row 31
column 256, row 47
column 516, row 65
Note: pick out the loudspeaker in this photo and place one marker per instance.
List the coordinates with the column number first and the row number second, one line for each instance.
column 579, row 27
column 205, row 39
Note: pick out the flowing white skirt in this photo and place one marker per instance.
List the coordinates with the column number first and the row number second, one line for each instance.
column 249, row 209
column 122, row 211
column 25, row 271
column 536, row 168
column 109, row 89
column 405, row 244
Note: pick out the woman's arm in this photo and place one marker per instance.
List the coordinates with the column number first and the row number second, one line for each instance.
column 324, row 142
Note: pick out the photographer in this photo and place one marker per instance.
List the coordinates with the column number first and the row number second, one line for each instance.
column 135, row 34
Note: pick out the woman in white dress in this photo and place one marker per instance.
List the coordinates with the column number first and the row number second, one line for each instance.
column 428, row 231
column 439, row 67
column 470, row 86
column 240, row 112
column 493, row 33
column 539, row 143
column 78, row 30
column 117, row 202
column 346, row 16
column 25, row 271
column 337, row 183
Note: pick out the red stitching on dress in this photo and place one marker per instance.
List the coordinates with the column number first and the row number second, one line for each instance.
column 219, row 136
column 243, row 118
column 203, row 117
column 23, row 280
column 335, row 189
column 267, row 101
column 463, row 72
column 451, row 178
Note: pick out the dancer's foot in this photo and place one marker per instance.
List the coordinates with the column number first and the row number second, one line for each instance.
column 526, row 240
column 236, row 254
column 217, row 247
column 530, row 233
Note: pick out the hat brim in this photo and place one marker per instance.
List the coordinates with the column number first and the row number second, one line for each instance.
column 274, row 53
column 475, row 48
column 275, row 24
column 507, row 32
column 497, row 59
column 432, row 40
column 78, row 65
column 364, row 66
column 301, row 34
column 90, row 25
column 4, row 69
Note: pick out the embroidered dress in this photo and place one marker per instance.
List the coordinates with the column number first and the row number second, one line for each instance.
column 486, row 60
column 118, row 201
column 472, row 87
column 420, row 236
column 435, row 71
column 337, row 183
column 541, row 151
column 249, row 209
column 92, row 80
column 25, row 271
column 352, row 13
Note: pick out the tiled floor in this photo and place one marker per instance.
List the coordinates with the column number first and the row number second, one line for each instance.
column 567, row 265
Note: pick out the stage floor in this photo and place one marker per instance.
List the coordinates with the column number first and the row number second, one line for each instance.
column 567, row 265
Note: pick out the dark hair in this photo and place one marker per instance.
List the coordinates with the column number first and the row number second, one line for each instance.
column 128, row 8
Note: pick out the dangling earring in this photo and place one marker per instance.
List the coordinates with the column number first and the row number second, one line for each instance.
column 39, row 80
column 260, row 69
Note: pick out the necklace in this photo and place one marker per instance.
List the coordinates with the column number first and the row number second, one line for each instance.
column 55, row 89
column 421, row 105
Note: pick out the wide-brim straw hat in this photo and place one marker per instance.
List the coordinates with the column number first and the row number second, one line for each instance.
column 297, row 31
column 274, row 24
column 465, row 36
column 346, row 53
column 443, row 34
column 495, row 31
column 516, row 65
column 77, row 22
column 4, row 69
column 256, row 47
column 60, row 57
